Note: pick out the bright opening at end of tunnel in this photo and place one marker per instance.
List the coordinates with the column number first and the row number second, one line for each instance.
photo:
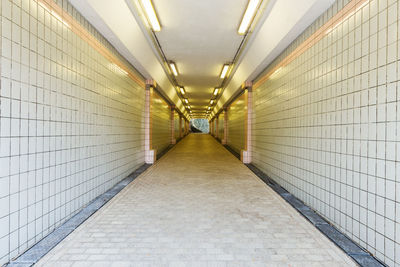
column 200, row 133
column 199, row 126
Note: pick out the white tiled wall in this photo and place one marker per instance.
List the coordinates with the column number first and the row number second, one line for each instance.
column 236, row 124
column 161, row 124
column 327, row 126
column 71, row 123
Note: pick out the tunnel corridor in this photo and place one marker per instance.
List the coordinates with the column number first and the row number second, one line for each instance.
column 197, row 205
column 298, row 162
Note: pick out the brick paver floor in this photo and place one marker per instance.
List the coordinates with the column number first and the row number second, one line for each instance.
column 197, row 206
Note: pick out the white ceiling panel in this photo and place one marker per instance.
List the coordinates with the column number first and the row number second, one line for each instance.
column 200, row 36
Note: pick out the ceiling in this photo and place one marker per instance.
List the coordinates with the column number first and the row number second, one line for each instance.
column 200, row 36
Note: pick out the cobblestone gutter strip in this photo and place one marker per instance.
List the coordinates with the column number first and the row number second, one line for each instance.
column 237, row 155
column 35, row 253
column 360, row 255
column 168, row 148
column 162, row 153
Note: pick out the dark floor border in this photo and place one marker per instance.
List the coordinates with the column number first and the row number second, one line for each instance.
column 230, row 149
column 168, row 148
column 40, row 249
column 164, row 151
column 352, row 249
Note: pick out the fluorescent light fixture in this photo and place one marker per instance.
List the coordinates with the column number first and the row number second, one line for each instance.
column 173, row 68
column 151, row 15
column 224, row 71
column 186, row 101
column 248, row 16
column 216, row 90
column 182, row 90
column 212, row 101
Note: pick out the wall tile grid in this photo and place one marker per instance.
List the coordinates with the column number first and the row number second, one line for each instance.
column 161, row 126
column 327, row 126
column 236, row 124
column 71, row 123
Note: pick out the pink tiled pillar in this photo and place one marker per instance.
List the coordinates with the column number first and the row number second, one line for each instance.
column 173, row 139
column 149, row 153
column 246, row 153
column 225, row 138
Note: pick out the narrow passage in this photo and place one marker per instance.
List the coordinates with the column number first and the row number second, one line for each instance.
column 197, row 206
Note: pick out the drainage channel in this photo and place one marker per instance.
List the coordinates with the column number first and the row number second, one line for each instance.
column 352, row 249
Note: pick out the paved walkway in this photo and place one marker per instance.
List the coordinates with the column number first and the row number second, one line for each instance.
column 197, row 206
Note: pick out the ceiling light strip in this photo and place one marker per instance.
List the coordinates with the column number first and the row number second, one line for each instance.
column 224, row 71
column 151, row 15
column 248, row 16
column 347, row 11
column 173, row 68
column 80, row 31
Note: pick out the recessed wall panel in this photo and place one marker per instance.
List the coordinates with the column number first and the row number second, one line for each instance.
column 236, row 123
column 176, row 125
column 161, row 123
column 221, row 126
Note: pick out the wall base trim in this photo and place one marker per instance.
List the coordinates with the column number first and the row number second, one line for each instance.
column 168, row 148
column 230, row 149
column 41, row 248
column 352, row 249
